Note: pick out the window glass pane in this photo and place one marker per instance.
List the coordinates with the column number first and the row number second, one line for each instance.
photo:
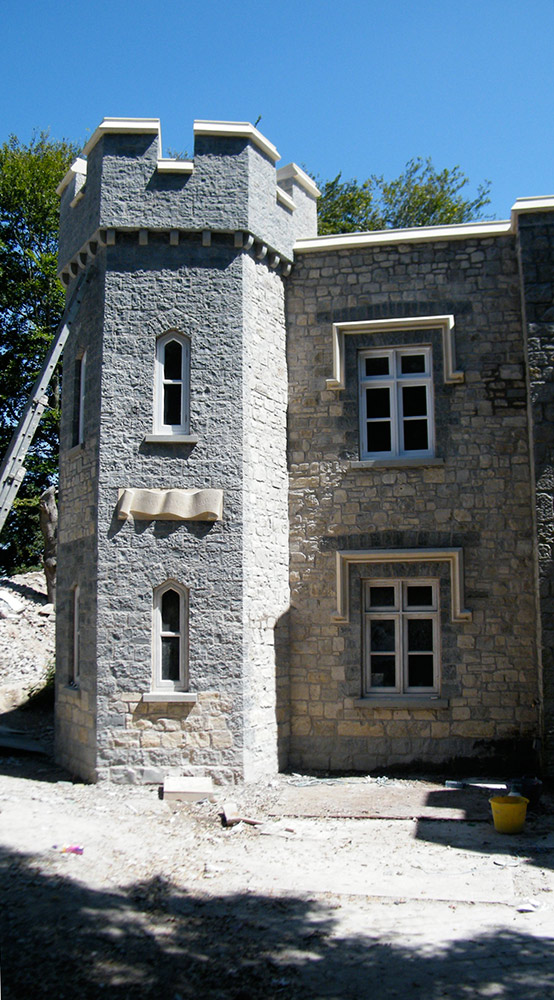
column 420, row 635
column 381, row 597
column 383, row 672
column 170, row 658
column 173, row 354
column 414, row 401
column 376, row 366
column 172, row 404
column 416, row 437
column 412, row 363
column 378, row 436
column 378, row 403
column 420, row 671
column 382, row 636
column 171, row 618
column 418, row 596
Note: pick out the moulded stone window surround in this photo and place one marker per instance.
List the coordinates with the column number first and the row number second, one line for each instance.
column 453, row 556
column 396, row 407
column 410, row 323
column 401, row 637
column 170, row 647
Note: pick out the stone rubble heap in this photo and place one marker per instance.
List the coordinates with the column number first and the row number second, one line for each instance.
column 27, row 630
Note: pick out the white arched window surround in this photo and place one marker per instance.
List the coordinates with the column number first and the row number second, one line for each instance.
column 170, row 637
column 172, row 384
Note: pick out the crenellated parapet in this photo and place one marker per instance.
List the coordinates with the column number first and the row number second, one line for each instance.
column 229, row 191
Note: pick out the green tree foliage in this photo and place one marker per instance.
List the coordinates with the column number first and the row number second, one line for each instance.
column 31, row 305
column 420, row 196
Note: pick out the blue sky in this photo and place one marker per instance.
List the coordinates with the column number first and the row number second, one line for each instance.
column 347, row 86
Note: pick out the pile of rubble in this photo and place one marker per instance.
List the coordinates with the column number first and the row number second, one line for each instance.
column 27, row 632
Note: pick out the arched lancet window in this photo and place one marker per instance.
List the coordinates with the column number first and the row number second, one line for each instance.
column 171, row 637
column 172, row 383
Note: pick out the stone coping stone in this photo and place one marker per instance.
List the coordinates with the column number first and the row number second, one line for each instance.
column 184, row 789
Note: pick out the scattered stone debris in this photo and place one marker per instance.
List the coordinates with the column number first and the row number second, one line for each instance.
column 27, row 631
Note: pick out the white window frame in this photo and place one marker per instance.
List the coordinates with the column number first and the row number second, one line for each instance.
column 160, row 383
column 395, row 381
column 75, row 672
column 401, row 613
column 158, row 683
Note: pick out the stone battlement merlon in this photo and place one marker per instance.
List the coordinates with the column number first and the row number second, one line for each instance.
column 230, row 186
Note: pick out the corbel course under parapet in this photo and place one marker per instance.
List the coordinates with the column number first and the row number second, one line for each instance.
column 103, row 237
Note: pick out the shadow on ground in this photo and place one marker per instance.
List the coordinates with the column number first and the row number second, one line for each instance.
column 534, row 845
column 62, row 940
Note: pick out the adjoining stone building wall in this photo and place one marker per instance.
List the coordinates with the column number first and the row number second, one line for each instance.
column 474, row 495
column 536, row 245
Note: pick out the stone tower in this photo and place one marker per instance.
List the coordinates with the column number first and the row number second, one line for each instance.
column 173, row 576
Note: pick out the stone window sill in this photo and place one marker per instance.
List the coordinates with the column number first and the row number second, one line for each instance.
column 72, row 688
column 170, row 439
column 171, row 697
column 401, row 701
column 76, row 449
column 395, row 463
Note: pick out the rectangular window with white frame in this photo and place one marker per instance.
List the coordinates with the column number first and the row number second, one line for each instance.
column 396, row 403
column 170, row 671
column 401, row 637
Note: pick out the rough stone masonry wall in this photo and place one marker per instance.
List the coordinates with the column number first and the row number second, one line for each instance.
column 266, row 563
column 77, row 501
column 478, row 500
column 536, row 236
column 198, row 291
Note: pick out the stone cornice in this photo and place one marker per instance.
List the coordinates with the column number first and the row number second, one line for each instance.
column 384, row 237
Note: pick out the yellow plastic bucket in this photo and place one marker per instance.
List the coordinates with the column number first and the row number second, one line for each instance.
column 508, row 813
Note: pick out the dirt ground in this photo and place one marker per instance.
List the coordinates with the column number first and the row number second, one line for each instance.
column 345, row 887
